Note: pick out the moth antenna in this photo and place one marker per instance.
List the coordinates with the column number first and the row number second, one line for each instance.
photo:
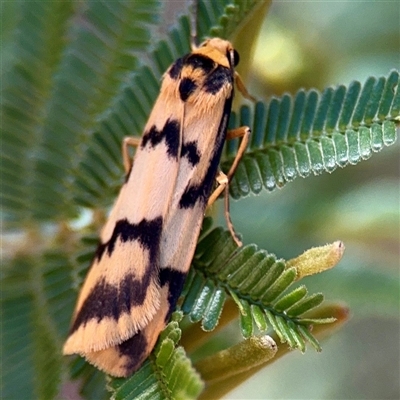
column 193, row 24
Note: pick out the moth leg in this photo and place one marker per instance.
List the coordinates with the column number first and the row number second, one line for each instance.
column 244, row 133
column 223, row 186
column 127, row 158
column 223, row 180
column 242, row 88
column 228, row 219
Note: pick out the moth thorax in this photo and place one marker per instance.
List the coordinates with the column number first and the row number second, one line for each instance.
column 226, row 53
column 221, row 45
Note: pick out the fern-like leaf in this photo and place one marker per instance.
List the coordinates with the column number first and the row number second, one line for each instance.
column 68, row 88
column 259, row 284
column 314, row 132
column 37, row 46
column 35, row 308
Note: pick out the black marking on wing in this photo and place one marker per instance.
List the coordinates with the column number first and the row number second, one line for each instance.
column 191, row 152
column 190, row 196
column 200, row 61
column 135, row 348
column 186, row 88
column 172, row 134
column 106, row 300
column 217, row 79
column 169, row 133
column 201, row 192
column 175, row 280
column 146, row 232
column 176, row 68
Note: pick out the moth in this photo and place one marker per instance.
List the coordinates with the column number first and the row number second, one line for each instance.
column 148, row 242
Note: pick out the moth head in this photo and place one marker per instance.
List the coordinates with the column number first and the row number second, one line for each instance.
column 226, row 50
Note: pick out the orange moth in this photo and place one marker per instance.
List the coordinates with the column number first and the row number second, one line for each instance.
column 148, row 242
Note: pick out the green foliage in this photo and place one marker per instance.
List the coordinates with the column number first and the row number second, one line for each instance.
column 75, row 86
column 256, row 280
column 52, row 98
column 314, row 132
column 167, row 374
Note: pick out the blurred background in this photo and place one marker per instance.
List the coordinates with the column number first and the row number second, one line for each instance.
column 315, row 45
column 318, row 44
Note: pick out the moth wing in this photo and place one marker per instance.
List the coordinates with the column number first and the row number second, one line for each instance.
column 205, row 137
column 202, row 141
column 189, row 165
column 110, row 310
column 120, row 295
column 179, row 237
column 181, row 227
column 124, row 359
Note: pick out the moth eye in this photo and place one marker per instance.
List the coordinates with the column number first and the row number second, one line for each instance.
column 236, row 58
